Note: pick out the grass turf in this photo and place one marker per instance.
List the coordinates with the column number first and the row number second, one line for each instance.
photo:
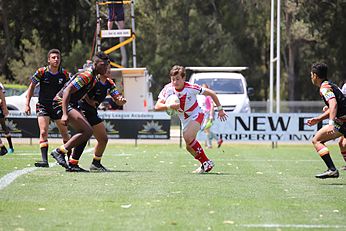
column 152, row 188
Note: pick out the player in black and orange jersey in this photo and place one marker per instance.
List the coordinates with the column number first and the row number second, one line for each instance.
column 65, row 106
column 51, row 79
column 3, row 115
column 336, row 112
column 88, row 105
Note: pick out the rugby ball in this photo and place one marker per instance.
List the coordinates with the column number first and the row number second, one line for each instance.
column 172, row 99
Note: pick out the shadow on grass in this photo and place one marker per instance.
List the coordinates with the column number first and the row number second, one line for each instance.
column 334, row 184
column 119, row 171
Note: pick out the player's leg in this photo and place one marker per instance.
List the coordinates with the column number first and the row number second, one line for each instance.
column 111, row 16
column 342, row 146
column 43, row 123
column 321, row 137
column 102, row 140
column 7, row 135
column 194, row 147
column 3, row 150
column 83, row 132
column 64, row 134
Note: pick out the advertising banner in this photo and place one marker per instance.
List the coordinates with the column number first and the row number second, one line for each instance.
column 265, row 127
column 119, row 125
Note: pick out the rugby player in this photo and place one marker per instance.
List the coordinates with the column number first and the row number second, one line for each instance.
column 65, row 106
column 3, row 114
column 51, row 79
column 190, row 114
column 336, row 113
column 88, row 105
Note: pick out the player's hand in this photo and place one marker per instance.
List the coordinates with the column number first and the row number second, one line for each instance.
column 64, row 120
column 312, row 121
column 222, row 115
column 325, row 108
column 174, row 106
column 120, row 101
column 27, row 110
column 5, row 111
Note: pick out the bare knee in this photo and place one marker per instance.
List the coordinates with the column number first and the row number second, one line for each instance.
column 44, row 133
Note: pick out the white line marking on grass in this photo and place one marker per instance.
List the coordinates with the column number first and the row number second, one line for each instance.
column 10, row 177
column 298, row 226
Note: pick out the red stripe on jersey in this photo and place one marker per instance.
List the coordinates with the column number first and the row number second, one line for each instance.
column 86, row 76
column 41, row 71
column 193, row 86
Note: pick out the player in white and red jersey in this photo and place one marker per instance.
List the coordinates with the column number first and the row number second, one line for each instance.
column 190, row 114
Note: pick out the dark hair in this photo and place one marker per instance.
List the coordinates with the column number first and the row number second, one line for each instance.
column 177, row 70
column 101, row 56
column 320, row 69
column 53, row 51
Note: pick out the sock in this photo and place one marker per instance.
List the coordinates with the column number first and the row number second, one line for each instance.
column 324, row 154
column 200, row 155
column 9, row 140
column 344, row 155
column 73, row 161
column 78, row 151
column 97, row 159
column 44, row 150
column 62, row 149
column 69, row 151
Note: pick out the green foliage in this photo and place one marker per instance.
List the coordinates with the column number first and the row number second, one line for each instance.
column 76, row 57
column 31, row 56
column 191, row 33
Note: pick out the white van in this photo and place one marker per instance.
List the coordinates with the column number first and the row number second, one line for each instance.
column 228, row 83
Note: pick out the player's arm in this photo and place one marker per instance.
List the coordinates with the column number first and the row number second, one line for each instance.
column 319, row 118
column 68, row 91
column 116, row 96
column 3, row 103
column 221, row 113
column 161, row 106
column 333, row 109
column 29, row 95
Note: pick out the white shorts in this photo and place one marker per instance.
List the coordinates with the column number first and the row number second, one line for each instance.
column 199, row 116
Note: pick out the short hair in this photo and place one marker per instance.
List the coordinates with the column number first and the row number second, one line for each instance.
column 53, row 51
column 320, row 69
column 101, row 56
column 177, row 70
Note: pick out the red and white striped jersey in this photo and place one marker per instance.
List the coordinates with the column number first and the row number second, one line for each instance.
column 187, row 97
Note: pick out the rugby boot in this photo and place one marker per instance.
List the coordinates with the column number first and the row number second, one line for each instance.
column 75, row 168
column 207, row 166
column 3, row 151
column 328, row 174
column 98, row 167
column 42, row 164
column 59, row 157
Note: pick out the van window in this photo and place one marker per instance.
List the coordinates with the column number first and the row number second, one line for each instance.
column 223, row 86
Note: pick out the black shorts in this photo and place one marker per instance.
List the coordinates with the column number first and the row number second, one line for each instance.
column 116, row 12
column 57, row 108
column 1, row 114
column 46, row 110
column 340, row 127
column 90, row 113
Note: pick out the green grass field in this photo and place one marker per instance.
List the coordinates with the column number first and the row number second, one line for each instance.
column 252, row 187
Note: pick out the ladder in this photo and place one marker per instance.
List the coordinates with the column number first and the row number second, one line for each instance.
column 126, row 33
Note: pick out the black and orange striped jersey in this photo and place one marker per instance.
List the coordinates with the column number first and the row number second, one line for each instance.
column 328, row 91
column 50, row 83
column 101, row 90
column 82, row 82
